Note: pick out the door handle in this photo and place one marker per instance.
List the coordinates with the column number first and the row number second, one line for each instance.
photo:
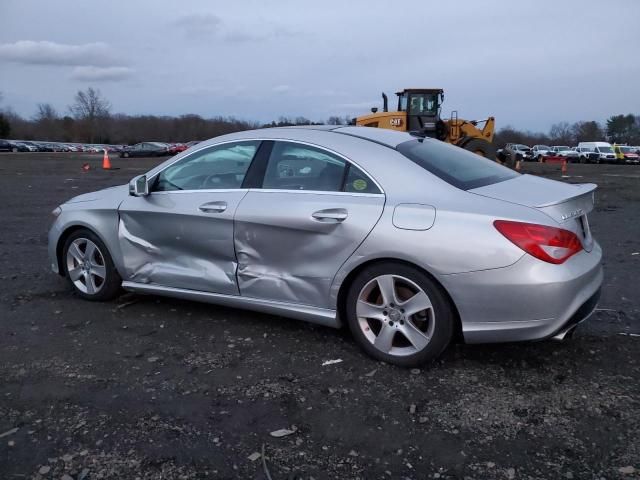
column 331, row 215
column 213, row 207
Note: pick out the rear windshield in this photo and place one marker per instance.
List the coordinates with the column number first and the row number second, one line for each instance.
column 461, row 168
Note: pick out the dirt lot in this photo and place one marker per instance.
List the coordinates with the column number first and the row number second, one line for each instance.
column 147, row 387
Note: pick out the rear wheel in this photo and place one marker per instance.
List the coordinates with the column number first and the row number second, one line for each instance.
column 399, row 315
column 89, row 267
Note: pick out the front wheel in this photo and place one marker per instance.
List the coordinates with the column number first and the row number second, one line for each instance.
column 125, row 154
column 399, row 315
column 89, row 267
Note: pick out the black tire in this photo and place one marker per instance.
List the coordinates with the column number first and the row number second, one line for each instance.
column 112, row 283
column 479, row 146
column 443, row 314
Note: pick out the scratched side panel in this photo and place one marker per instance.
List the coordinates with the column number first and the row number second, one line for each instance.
column 166, row 240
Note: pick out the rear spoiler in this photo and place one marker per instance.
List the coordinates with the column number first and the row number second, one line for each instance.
column 581, row 189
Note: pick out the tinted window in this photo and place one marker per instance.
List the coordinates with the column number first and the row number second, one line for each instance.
column 293, row 166
column 461, row 168
column 218, row 167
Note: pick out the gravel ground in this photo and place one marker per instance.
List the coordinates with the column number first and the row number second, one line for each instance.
column 154, row 388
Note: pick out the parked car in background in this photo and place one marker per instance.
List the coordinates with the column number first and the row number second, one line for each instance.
column 192, row 143
column 539, row 151
column 338, row 225
column 603, row 149
column 21, row 147
column 175, row 148
column 36, row 147
column 587, row 154
column 626, row 154
column 145, row 149
column 517, row 151
column 566, row 152
column 5, row 146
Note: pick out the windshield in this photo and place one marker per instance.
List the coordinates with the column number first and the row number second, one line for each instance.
column 423, row 104
column 627, row 150
column 543, row 147
column 456, row 166
column 522, row 147
column 605, row 150
column 562, row 148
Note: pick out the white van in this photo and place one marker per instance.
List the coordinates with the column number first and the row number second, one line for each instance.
column 603, row 149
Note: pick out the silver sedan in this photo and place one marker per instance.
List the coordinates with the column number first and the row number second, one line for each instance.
column 410, row 242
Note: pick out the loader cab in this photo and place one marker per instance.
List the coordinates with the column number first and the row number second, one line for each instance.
column 422, row 107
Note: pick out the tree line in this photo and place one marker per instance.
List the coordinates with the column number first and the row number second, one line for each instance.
column 89, row 119
column 621, row 129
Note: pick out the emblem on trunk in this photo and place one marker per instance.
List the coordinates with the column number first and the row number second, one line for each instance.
column 575, row 213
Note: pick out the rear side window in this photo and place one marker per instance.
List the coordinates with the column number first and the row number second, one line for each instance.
column 456, row 166
column 293, row 166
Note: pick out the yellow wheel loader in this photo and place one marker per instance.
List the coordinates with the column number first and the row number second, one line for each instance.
column 419, row 113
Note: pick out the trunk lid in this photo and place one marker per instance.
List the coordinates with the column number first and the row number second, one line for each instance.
column 568, row 204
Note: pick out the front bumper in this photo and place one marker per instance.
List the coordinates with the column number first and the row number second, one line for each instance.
column 529, row 300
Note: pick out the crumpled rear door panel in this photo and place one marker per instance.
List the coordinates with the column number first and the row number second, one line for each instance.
column 284, row 254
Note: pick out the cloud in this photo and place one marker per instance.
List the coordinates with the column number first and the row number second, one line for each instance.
column 51, row 53
column 101, row 74
column 210, row 25
column 199, row 24
column 281, row 88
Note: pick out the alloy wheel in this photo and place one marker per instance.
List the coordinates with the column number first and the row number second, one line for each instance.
column 86, row 266
column 395, row 315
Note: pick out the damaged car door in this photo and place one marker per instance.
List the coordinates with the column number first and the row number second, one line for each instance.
column 180, row 234
column 312, row 210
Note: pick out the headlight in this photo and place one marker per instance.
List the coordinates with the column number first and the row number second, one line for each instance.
column 56, row 212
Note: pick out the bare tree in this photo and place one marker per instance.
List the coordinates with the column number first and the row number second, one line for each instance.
column 587, row 131
column 92, row 111
column 561, row 134
column 46, row 124
column 45, row 111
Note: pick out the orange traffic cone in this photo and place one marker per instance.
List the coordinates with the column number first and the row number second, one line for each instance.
column 106, row 163
column 564, row 168
column 518, row 166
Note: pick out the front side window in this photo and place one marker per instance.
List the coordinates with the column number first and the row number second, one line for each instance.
column 218, row 167
column 456, row 166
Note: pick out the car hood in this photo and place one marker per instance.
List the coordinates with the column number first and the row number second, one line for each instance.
column 115, row 194
column 561, row 201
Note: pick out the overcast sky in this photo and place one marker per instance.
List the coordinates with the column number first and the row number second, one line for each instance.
column 529, row 63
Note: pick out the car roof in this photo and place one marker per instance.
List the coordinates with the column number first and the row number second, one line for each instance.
column 389, row 138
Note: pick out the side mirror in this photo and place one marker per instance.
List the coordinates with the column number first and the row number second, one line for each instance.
column 138, row 186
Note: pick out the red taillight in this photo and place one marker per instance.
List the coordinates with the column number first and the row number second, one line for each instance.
column 550, row 244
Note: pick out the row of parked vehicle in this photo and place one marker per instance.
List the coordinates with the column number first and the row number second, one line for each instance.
column 155, row 149
column 584, row 152
column 145, row 149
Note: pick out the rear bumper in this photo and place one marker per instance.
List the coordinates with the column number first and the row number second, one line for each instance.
column 529, row 300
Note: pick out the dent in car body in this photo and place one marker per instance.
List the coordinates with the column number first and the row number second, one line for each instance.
column 167, row 240
column 285, row 254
